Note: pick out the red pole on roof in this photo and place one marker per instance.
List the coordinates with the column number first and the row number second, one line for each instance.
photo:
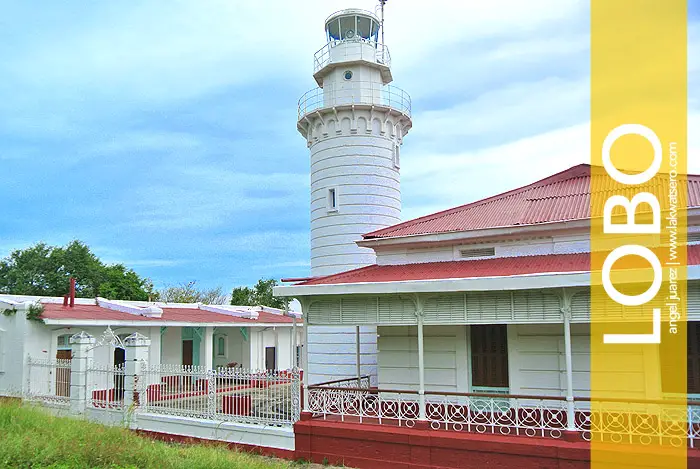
column 72, row 292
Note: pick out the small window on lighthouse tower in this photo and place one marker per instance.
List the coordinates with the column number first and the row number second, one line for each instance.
column 332, row 199
column 397, row 156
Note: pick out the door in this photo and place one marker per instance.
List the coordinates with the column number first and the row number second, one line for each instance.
column 489, row 344
column 270, row 358
column 63, row 374
column 187, row 349
column 119, row 360
column 669, row 364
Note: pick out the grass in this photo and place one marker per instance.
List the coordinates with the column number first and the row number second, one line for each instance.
column 31, row 438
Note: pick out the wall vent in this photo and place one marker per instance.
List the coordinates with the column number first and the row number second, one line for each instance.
column 477, row 252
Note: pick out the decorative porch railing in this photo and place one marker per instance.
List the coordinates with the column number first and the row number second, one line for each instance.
column 645, row 422
column 48, row 381
column 639, row 421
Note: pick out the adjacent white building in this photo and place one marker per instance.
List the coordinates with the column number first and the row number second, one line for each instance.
column 354, row 124
column 205, row 336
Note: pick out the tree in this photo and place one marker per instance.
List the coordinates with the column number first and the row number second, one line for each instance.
column 242, row 296
column 189, row 293
column 259, row 295
column 44, row 270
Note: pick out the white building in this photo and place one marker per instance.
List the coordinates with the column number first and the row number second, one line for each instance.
column 203, row 336
column 354, row 125
column 489, row 297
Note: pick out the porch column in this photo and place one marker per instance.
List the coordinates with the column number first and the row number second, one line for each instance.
column 421, row 370
column 305, row 368
column 136, row 349
column 357, row 355
column 208, row 348
column 295, row 363
column 570, row 410
column 82, row 345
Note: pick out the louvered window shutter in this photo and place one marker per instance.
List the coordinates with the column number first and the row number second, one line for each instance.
column 489, row 348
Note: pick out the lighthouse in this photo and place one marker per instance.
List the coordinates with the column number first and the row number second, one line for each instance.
column 354, row 123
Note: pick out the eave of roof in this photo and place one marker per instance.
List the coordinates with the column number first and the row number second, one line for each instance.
column 543, row 271
column 87, row 312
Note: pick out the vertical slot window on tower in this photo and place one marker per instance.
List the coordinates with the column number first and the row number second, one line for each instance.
column 332, row 201
column 397, row 155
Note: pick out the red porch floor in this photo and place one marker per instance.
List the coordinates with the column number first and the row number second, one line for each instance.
column 369, row 446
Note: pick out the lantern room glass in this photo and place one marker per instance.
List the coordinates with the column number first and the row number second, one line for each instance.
column 352, row 27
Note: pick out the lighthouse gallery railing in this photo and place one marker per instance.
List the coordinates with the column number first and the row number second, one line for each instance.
column 357, row 92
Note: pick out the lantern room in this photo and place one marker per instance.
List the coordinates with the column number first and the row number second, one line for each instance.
column 352, row 25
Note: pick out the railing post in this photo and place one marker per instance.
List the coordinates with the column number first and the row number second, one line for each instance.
column 82, row 345
column 296, row 395
column 305, row 369
column 136, row 354
column 211, row 394
column 421, row 369
column 358, row 364
column 570, row 408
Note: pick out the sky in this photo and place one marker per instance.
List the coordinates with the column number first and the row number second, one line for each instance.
column 163, row 133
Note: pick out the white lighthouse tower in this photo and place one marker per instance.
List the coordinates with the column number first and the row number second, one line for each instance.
column 354, row 125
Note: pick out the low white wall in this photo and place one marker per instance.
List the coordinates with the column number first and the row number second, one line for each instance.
column 12, row 353
column 255, row 435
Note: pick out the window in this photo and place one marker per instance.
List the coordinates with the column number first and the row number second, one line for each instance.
column 270, row 358
column 298, row 363
column 489, row 354
column 332, row 199
column 397, row 156
column 63, row 342
column 347, row 75
column 221, row 346
column 668, row 363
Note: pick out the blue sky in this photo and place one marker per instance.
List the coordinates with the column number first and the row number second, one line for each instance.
column 163, row 134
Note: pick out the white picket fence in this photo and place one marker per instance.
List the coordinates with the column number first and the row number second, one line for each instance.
column 48, row 381
column 226, row 394
column 258, row 397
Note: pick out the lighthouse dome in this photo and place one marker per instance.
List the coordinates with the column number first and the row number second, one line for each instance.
column 352, row 24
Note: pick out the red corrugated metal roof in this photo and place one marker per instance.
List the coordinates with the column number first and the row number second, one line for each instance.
column 561, row 197
column 479, row 268
column 94, row 312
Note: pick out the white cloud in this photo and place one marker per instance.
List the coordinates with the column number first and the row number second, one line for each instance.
column 175, row 50
column 433, row 182
column 204, row 198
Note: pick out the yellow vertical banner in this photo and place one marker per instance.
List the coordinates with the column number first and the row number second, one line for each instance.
column 638, row 406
